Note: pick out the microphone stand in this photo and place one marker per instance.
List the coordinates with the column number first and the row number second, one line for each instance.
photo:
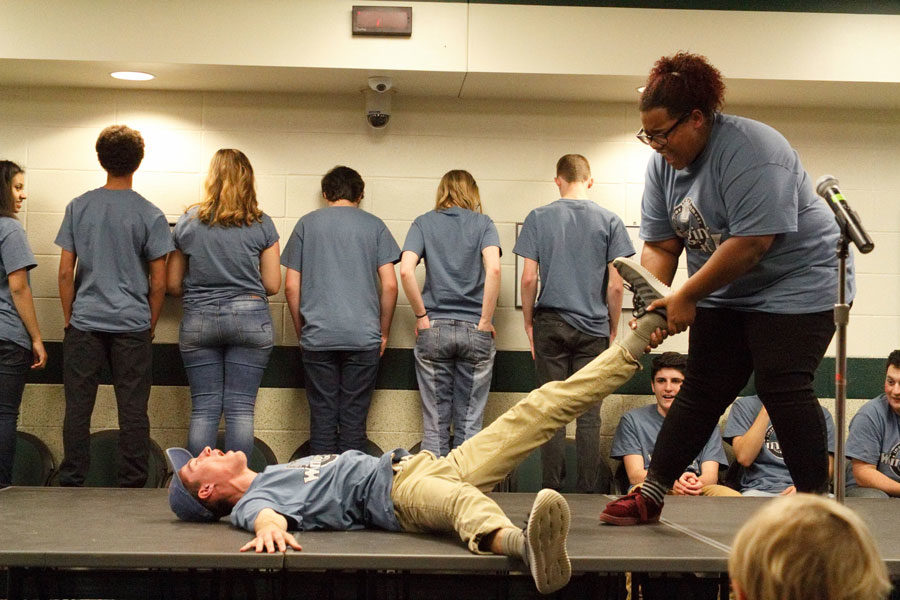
column 841, row 319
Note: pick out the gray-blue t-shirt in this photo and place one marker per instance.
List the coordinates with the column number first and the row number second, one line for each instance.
column 748, row 181
column 637, row 433
column 113, row 234
column 15, row 254
column 451, row 241
column 222, row 262
column 573, row 242
column 768, row 473
column 874, row 438
column 338, row 250
column 338, row 492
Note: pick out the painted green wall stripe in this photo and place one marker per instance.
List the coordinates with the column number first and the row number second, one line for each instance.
column 513, row 372
column 874, row 7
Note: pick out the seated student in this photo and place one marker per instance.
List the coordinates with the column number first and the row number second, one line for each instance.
column 756, row 447
column 873, row 444
column 638, row 428
column 805, row 547
column 421, row 492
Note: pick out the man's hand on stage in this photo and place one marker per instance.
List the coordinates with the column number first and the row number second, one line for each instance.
column 789, row 491
column 271, row 533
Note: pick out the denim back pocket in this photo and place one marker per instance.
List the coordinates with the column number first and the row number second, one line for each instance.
column 191, row 329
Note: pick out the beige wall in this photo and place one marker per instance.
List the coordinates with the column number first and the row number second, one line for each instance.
column 510, row 147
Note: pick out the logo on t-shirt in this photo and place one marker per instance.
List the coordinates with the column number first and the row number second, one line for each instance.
column 312, row 465
column 892, row 459
column 772, row 444
column 689, row 224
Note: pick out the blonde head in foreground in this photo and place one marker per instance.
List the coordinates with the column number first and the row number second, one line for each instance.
column 806, row 547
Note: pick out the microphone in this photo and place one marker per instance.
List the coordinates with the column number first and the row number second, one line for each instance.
column 848, row 220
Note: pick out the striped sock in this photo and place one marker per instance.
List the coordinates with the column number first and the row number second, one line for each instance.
column 654, row 491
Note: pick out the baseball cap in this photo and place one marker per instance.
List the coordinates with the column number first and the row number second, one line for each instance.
column 182, row 503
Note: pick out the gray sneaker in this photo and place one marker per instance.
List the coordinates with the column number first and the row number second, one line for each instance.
column 545, row 542
column 643, row 284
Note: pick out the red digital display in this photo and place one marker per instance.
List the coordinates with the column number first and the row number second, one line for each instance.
column 382, row 20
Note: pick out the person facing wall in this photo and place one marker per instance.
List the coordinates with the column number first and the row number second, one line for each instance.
column 806, row 547
column 341, row 290
column 116, row 238
column 455, row 349
column 572, row 242
column 225, row 263
column 21, row 344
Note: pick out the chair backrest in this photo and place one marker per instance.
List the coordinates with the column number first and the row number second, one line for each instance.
column 372, row 449
column 105, row 461
column 33, row 464
column 261, row 457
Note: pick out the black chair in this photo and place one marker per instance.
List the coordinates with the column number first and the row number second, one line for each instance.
column 104, row 469
column 261, row 457
column 621, row 479
column 33, row 464
column 372, row 449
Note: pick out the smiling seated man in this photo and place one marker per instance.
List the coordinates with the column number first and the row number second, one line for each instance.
column 636, row 435
column 416, row 493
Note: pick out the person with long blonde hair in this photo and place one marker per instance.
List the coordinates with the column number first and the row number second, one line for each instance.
column 21, row 345
column 225, row 265
column 455, row 348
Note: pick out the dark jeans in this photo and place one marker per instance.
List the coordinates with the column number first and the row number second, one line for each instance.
column 15, row 361
column 129, row 356
column 339, row 385
column 783, row 352
column 559, row 351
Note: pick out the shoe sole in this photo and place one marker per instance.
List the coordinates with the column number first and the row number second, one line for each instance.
column 626, row 521
column 548, row 527
column 642, row 282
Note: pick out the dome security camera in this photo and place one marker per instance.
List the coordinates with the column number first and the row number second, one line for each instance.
column 378, row 102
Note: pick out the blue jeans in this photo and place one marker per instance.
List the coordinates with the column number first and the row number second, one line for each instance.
column 225, row 348
column 454, row 362
column 339, row 386
column 15, row 361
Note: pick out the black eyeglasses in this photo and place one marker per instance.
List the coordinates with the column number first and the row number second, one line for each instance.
column 661, row 139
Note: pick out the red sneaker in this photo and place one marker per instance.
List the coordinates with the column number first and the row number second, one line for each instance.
column 633, row 509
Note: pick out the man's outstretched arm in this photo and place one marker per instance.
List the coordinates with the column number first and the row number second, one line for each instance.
column 271, row 531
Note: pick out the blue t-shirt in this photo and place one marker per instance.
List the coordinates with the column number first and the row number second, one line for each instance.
column 338, row 250
column 768, row 473
column 113, row 234
column 573, row 241
column 748, row 181
column 637, row 433
column 874, row 438
column 222, row 262
column 337, row 492
column 451, row 242
column 15, row 254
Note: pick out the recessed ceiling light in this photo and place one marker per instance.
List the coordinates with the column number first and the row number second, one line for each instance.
column 132, row 75
column 641, row 89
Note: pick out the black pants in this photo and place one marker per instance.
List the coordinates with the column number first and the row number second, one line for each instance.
column 559, row 351
column 15, row 362
column 129, row 356
column 783, row 352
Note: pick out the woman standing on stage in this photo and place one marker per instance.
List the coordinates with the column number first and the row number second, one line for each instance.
column 225, row 264
column 455, row 336
column 732, row 194
column 21, row 346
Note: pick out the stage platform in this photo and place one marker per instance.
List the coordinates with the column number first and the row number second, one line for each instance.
column 99, row 543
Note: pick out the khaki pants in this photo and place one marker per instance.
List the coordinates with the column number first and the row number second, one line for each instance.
column 447, row 494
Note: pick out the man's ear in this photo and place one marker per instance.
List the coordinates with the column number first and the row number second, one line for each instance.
column 738, row 592
column 590, row 183
column 205, row 491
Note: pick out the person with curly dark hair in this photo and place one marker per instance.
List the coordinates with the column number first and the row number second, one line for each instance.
column 733, row 195
column 119, row 242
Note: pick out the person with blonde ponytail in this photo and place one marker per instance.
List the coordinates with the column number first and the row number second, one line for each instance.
column 224, row 266
column 454, row 334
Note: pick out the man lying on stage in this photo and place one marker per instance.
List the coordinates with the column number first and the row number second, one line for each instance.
column 418, row 493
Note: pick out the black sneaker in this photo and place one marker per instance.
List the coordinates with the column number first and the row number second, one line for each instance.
column 643, row 284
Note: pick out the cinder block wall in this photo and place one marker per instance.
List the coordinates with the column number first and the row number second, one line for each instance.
column 510, row 147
